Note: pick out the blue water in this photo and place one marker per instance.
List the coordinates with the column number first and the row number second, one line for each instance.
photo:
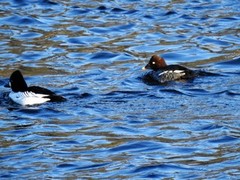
column 113, row 125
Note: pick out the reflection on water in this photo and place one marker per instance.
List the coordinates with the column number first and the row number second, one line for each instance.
column 113, row 125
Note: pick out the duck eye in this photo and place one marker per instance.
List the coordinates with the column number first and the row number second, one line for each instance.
column 153, row 62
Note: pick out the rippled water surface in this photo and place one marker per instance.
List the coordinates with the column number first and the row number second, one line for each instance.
column 113, row 125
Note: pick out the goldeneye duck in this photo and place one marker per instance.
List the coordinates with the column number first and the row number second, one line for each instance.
column 24, row 95
column 164, row 73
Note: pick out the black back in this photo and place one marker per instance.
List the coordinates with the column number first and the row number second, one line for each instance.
column 40, row 90
column 174, row 67
column 17, row 82
column 51, row 95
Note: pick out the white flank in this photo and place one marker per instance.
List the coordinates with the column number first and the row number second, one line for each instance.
column 28, row 98
column 170, row 75
column 178, row 73
column 162, row 73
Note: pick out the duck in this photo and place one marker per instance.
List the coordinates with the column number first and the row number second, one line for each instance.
column 163, row 73
column 29, row 95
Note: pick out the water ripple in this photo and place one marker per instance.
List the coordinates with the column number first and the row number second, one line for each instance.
column 113, row 125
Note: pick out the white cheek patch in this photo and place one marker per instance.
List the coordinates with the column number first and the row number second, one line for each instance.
column 153, row 62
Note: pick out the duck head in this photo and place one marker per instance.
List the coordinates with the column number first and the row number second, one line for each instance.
column 155, row 63
column 17, row 82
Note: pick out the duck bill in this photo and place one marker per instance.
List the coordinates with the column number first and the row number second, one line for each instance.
column 8, row 85
column 146, row 67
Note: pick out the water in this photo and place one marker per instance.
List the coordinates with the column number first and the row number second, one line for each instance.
column 113, row 125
